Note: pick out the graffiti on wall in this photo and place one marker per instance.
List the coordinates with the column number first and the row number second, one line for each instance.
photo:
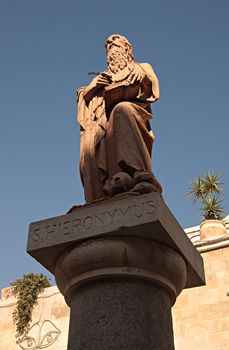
column 40, row 336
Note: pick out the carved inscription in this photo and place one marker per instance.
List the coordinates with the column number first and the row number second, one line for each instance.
column 91, row 221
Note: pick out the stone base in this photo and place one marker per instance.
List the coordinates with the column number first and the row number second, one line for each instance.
column 120, row 264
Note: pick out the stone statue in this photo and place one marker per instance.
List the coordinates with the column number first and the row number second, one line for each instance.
column 116, row 137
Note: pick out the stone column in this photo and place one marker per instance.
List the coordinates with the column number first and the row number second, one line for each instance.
column 120, row 291
column 120, row 264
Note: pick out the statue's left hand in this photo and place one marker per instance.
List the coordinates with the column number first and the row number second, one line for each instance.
column 136, row 75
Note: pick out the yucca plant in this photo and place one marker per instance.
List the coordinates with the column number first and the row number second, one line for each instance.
column 208, row 189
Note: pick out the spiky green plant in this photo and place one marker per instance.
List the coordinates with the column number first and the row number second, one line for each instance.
column 207, row 189
column 26, row 290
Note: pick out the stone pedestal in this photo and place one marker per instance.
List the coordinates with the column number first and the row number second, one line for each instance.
column 120, row 291
column 120, row 264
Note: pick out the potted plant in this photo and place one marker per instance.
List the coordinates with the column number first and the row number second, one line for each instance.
column 207, row 190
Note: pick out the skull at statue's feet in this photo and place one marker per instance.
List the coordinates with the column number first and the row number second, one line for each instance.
column 119, row 183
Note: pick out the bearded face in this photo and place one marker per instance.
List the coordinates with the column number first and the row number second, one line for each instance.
column 117, row 58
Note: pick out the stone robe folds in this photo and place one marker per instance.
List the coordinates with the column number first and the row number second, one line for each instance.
column 115, row 133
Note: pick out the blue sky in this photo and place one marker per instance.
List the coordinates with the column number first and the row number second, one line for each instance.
column 46, row 50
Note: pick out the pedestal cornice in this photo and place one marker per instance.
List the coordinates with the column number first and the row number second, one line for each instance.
column 143, row 216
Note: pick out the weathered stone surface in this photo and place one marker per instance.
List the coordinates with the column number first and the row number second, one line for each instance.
column 125, row 215
column 121, row 314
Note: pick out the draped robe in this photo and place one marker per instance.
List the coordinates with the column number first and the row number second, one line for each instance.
column 115, row 133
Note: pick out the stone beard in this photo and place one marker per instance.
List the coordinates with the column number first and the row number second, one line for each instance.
column 117, row 59
column 116, row 137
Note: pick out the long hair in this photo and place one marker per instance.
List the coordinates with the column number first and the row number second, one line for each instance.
column 123, row 42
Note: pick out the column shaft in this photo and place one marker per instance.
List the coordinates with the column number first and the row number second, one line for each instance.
column 121, row 314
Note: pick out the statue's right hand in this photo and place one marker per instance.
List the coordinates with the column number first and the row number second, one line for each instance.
column 99, row 82
column 102, row 80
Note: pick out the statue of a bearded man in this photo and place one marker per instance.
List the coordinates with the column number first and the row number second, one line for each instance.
column 116, row 137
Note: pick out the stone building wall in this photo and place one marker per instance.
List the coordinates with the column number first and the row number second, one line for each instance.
column 200, row 315
column 49, row 327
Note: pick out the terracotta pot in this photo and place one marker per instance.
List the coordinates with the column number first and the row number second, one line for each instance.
column 211, row 229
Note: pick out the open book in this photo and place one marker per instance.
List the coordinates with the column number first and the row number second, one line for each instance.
column 118, row 92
